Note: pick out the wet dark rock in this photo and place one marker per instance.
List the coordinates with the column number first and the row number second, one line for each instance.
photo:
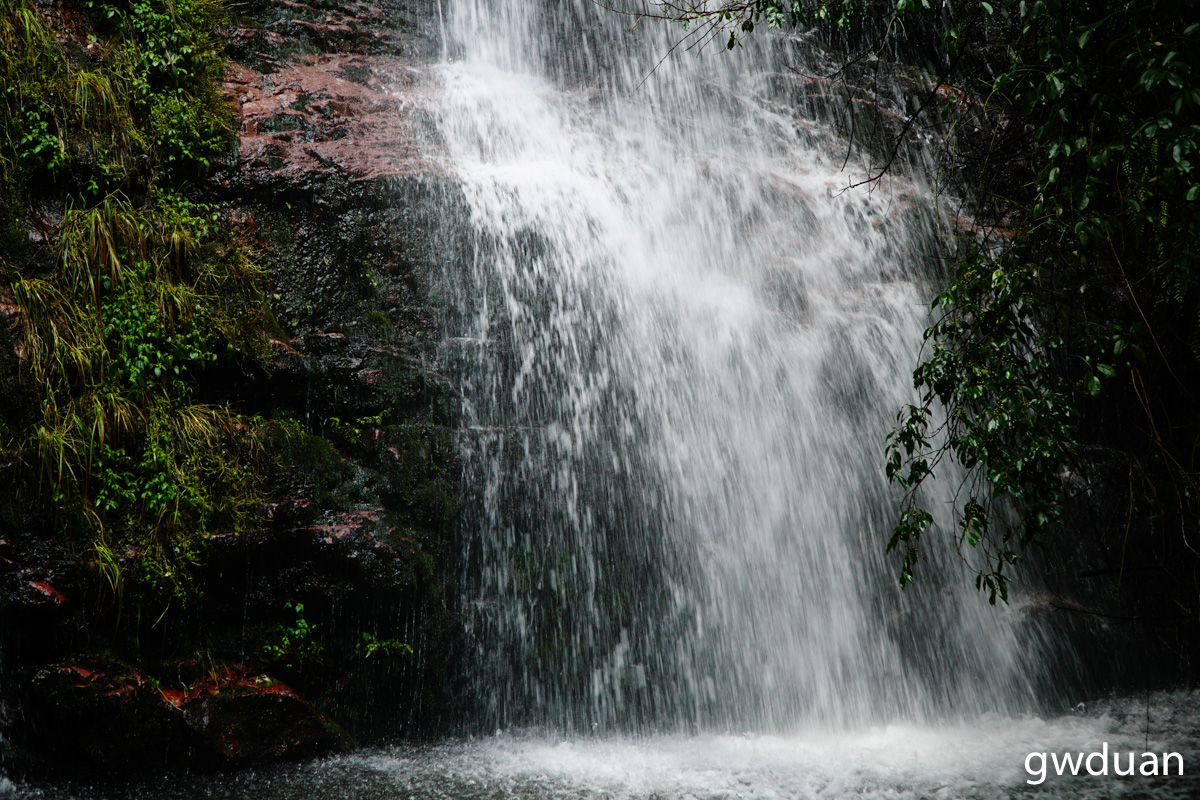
column 103, row 716
column 244, row 720
column 40, row 593
column 329, row 612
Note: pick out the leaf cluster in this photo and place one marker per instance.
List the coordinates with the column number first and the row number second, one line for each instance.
column 137, row 292
column 293, row 644
column 1100, row 271
column 139, row 108
column 116, row 340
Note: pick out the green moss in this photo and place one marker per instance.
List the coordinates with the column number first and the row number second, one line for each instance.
column 293, row 459
column 141, row 292
column 142, row 314
column 117, row 338
column 380, row 321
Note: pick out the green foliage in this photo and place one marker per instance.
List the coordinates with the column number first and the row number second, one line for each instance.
column 356, row 428
column 171, row 61
column 117, row 339
column 146, row 346
column 1118, row 110
column 369, row 646
column 1008, row 415
column 32, row 77
column 144, row 295
column 186, row 136
column 185, row 217
column 90, row 128
column 40, row 145
column 1034, row 330
column 293, row 644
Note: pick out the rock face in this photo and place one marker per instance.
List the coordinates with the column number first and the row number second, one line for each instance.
column 329, row 90
column 106, row 716
column 327, row 623
column 101, row 716
column 244, row 718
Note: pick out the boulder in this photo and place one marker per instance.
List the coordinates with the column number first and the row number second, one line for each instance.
column 105, row 716
column 246, row 719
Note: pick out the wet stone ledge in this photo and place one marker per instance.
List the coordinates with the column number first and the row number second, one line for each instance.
column 325, row 624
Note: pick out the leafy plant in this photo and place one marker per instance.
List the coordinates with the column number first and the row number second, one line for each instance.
column 356, row 428
column 1033, row 333
column 41, row 146
column 293, row 644
column 1008, row 416
column 117, row 340
column 369, row 646
column 186, row 136
column 171, row 60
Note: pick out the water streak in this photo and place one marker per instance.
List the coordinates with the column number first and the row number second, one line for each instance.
column 680, row 346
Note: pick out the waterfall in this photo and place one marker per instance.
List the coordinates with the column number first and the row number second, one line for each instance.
column 680, row 342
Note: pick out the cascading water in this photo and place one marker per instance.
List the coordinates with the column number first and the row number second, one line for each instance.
column 680, row 346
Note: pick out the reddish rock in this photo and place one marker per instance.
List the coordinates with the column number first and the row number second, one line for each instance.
column 104, row 716
column 10, row 315
column 370, row 377
column 108, row 716
column 329, row 90
column 250, row 719
column 303, row 119
column 49, row 593
column 284, row 358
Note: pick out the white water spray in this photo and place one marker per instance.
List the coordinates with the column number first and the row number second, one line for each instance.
column 680, row 346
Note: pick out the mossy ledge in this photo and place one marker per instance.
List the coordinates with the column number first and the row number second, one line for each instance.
column 227, row 477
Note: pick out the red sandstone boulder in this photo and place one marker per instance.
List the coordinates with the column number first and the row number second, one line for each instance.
column 245, row 719
column 104, row 716
column 107, row 717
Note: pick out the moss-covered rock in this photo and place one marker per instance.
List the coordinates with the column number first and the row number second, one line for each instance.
column 251, row 560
